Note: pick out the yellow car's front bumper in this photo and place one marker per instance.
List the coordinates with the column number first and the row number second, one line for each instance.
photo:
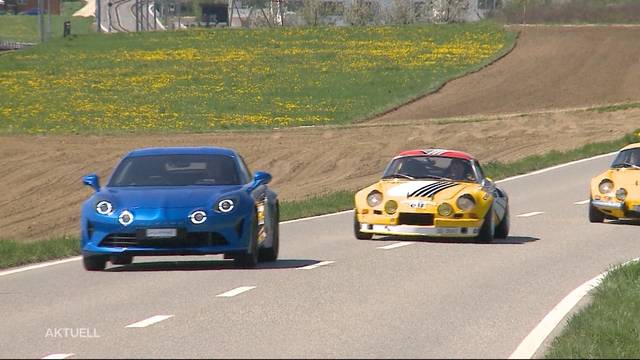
column 618, row 209
column 440, row 228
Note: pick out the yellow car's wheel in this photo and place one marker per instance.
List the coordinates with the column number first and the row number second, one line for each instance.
column 487, row 231
column 595, row 215
column 356, row 229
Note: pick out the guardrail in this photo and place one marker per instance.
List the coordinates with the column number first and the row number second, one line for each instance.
column 13, row 45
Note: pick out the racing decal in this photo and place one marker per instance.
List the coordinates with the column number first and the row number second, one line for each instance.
column 434, row 152
column 408, row 187
column 431, row 189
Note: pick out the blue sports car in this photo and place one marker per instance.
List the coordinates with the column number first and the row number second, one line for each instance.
column 180, row 201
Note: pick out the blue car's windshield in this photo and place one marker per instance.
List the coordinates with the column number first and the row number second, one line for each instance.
column 176, row 170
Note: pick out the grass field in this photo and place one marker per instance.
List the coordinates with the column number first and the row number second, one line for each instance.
column 608, row 328
column 200, row 80
column 24, row 28
column 14, row 253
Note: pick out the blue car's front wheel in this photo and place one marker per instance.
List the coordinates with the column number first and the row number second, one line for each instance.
column 94, row 262
column 250, row 259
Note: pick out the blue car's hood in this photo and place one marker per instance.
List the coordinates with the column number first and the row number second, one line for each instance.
column 165, row 197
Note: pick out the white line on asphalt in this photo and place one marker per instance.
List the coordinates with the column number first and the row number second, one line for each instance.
column 396, row 245
column 315, row 217
column 38, row 266
column 531, row 214
column 529, row 346
column 555, row 167
column 58, row 356
column 316, row 265
column 583, row 202
column 236, row 291
column 150, row 321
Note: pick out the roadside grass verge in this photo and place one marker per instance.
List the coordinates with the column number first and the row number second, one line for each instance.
column 609, row 327
column 14, row 253
column 215, row 79
column 24, row 28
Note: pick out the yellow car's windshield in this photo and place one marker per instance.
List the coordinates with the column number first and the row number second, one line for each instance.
column 629, row 158
column 430, row 167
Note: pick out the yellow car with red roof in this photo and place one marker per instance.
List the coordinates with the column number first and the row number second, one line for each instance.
column 433, row 193
column 615, row 194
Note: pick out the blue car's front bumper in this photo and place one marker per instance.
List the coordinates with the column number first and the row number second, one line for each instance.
column 220, row 233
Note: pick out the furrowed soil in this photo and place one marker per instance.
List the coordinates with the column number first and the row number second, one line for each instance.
column 43, row 191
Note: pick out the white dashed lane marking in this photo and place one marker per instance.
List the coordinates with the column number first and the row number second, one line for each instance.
column 531, row 214
column 58, row 356
column 316, row 265
column 396, row 245
column 236, row 291
column 583, row 202
column 150, row 321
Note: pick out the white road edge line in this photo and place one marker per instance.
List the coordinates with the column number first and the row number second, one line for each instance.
column 236, row 291
column 41, row 265
column 38, row 266
column 556, row 167
column 315, row 217
column 316, row 265
column 396, row 245
column 530, row 214
column 58, row 356
column 530, row 345
column 583, row 202
column 150, row 321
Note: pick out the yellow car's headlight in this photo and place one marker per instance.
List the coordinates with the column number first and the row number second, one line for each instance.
column 606, row 186
column 621, row 194
column 390, row 207
column 445, row 209
column 374, row 198
column 466, row 202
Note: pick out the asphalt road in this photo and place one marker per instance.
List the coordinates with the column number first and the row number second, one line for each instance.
column 425, row 299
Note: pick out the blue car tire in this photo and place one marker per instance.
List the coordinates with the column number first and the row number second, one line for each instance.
column 271, row 253
column 94, row 262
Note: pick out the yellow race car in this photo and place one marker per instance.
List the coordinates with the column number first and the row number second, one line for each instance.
column 433, row 192
column 615, row 194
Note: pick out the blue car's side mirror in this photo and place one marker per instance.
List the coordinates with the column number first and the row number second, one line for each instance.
column 92, row 180
column 261, row 178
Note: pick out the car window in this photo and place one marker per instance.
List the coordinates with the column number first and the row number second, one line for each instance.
column 435, row 167
column 627, row 158
column 176, row 170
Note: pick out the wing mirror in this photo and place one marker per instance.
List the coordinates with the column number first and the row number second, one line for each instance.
column 261, row 178
column 487, row 182
column 92, row 180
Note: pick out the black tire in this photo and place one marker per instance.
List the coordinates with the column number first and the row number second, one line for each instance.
column 271, row 253
column 94, row 262
column 595, row 215
column 356, row 230
column 122, row 260
column 502, row 231
column 487, row 231
column 249, row 259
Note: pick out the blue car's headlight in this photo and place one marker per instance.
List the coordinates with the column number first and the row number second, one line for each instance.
column 125, row 218
column 198, row 217
column 226, row 205
column 104, row 208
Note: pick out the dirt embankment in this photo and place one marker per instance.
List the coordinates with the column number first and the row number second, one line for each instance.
column 551, row 67
column 41, row 175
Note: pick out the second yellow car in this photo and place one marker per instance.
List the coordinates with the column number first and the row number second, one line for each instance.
column 615, row 193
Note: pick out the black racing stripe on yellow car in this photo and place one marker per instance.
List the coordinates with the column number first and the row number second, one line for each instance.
column 425, row 188
column 440, row 188
column 432, row 189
